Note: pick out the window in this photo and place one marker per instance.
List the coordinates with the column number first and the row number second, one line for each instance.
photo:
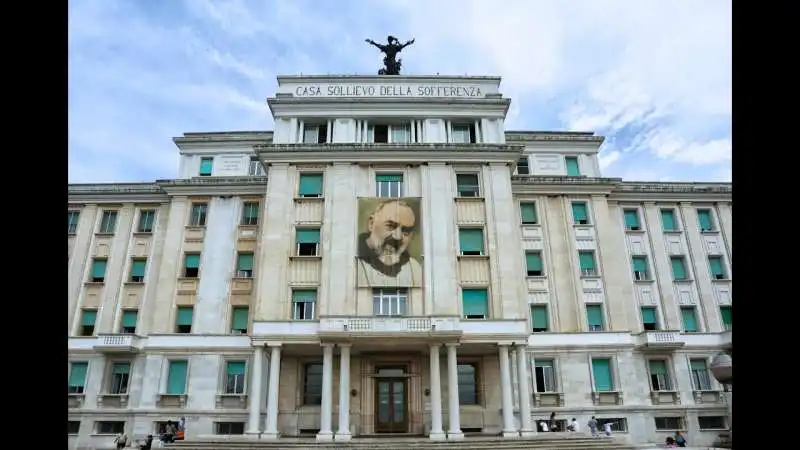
column 470, row 241
column 250, row 213
column 310, row 185
column 191, row 265
column 701, row 380
column 717, row 268
column 649, row 320
column 400, row 133
column 533, row 264
column 523, row 166
column 668, row 423
column 631, row 220
column 640, row 268
column 573, row 170
column 594, row 317
column 659, row 375
column 234, row 377
column 601, row 372
column 712, row 423
column 312, row 384
column 618, row 424
column 244, row 265
column 587, row 264
column 315, row 133
column 108, row 223
column 705, row 220
column 528, row 212
column 73, row 426
column 72, row 221
column 128, row 322
column 463, row 133
column 183, row 321
column 98, row 274
column 580, row 215
column 240, row 317
column 389, row 185
column 726, row 312
column 475, row 303
column 304, row 304
column 206, row 164
column 138, row 266
column 689, row 319
column 307, row 241
column 120, row 375
column 147, row 217
column 176, row 377
column 77, row 377
column 468, row 185
column 539, row 322
column 389, row 302
column 88, row 319
column 109, row 427
column 668, row 220
column 678, row 268
column 467, row 383
column 228, row 428
column 198, row 215
column 394, row 133
column 256, row 168
column 544, row 370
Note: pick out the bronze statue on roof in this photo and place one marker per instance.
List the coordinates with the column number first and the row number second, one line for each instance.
column 391, row 49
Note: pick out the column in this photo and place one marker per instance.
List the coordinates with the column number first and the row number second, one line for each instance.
column 325, row 433
column 301, row 134
column 254, row 397
column 436, row 433
column 507, row 400
column 271, row 431
column 478, row 138
column 454, row 431
column 329, row 132
column 343, row 434
column 525, row 423
column 413, row 127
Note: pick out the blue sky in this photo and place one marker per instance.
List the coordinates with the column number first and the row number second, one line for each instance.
column 654, row 77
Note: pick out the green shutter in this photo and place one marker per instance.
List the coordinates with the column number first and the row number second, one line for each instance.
column 304, row 295
column 601, row 370
column 470, row 240
column 129, row 318
column 245, row 261
column 176, row 377
column 205, row 166
column 310, row 184
column 689, row 319
column 698, row 364
column 639, row 264
column 668, row 219
column 307, row 236
column 716, row 266
column 89, row 317
column 185, row 315
column 533, row 260
column 631, row 218
column 77, row 374
column 241, row 316
column 727, row 315
column 386, row 177
column 658, row 367
column 99, row 268
column 475, row 302
column 121, row 368
column 594, row 315
column 236, row 367
column 251, row 210
column 704, row 217
column 678, row 268
column 192, row 261
column 137, row 267
column 528, row 212
column 579, row 212
column 648, row 314
column 572, row 167
column 539, row 316
column 466, row 180
column 586, row 260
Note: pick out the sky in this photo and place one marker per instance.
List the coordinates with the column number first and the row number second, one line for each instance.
column 653, row 77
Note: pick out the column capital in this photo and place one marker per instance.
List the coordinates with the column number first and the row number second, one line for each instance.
column 346, row 345
column 272, row 344
column 452, row 344
column 436, row 346
column 326, row 345
column 649, row 203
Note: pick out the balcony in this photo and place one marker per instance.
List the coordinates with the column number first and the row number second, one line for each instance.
column 727, row 339
column 659, row 340
column 118, row 343
column 423, row 327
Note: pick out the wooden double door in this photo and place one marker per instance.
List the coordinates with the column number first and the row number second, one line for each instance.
column 391, row 401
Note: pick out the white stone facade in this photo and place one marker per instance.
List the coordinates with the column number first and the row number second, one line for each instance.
column 143, row 237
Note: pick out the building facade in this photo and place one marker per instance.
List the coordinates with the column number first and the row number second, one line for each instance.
column 391, row 260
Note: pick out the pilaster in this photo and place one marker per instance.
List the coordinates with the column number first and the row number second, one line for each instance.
column 80, row 256
column 168, row 275
column 701, row 274
column 661, row 267
column 117, row 263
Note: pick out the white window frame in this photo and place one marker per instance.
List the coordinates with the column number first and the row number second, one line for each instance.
column 162, row 389
column 390, row 128
column 454, row 132
column 142, row 211
column 556, row 382
column 244, row 273
column 723, row 263
column 217, row 424
column 256, row 169
column 313, row 130
column 109, row 376
column 668, row 381
column 316, row 246
column 586, row 203
column 675, row 217
column 613, row 365
column 638, row 276
column 681, row 423
column 478, row 192
column 85, row 379
column 589, row 272
column 527, row 158
column 243, row 219
column 391, row 302
column 97, row 423
column 390, row 189
column 111, row 213
column 223, row 378
column 535, row 211
column 202, row 210
column 711, row 215
column 636, row 211
column 296, row 310
column 541, row 258
column 72, row 228
column 577, row 161
column 696, row 378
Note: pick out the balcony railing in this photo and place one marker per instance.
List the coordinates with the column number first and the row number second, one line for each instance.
column 118, row 343
column 388, row 325
column 660, row 340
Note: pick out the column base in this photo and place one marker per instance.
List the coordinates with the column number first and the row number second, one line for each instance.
column 527, row 433
column 325, row 436
column 437, row 436
column 343, row 437
column 510, row 434
column 270, row 435
column 455, row 435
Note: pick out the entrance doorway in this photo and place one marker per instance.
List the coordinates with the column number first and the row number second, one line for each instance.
column 391, row 400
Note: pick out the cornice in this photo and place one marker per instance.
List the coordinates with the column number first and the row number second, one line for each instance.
column 585, row 138
column 634, row 191
column 234, row 139
column 115, row 193
column 548, row 185
column 388, row 79
column 387, row 106
column 216, row 186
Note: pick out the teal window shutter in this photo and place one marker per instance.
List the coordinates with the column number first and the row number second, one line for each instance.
column 129, row 318
column 146, row 219
column 250, row 213
column 138, row 267
column 245, row 261
column 304, row 295
column 648, row 314
column 717, row 269
column 533, row 261
column 185, row 314
column 89, row 317
column 241, row 316
column 727, row 316
column 307, row 236
column 658, row 367
column 579, row 214
column 470, row 240
column 631, row 219
column 594, row 317
column 310, row 185
column 205, row 166
column 586, row 259
column 640, row 264
column 121, row 369
column 192, row 261
column 572, row 166
column 539, row 317
column 601, row 372
column 668, row 220
column 72, row 221
column 236, row 368
column 99, row 268
column 176, row 377
column 528, row 211
column 475, row 302
column 689, row 319
column 678, row 268
column 77, row 374
column 388, row 177
column 704, row 217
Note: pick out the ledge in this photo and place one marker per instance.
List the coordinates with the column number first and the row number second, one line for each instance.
column 673, row 192
column 562, row 185
column 115, row 193
column 215, row 186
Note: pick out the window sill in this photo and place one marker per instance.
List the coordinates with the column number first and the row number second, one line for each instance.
column 134, row 283
column 668, row 232
column 644, row 280
column 591, row 277
column 582, row 225
column 304, row 257
column 309, row 199
column 684, row 281
column 536, row 277
column 473, row 256
column 533, row 225
column 98, row 234
column 72, row 233
column 196, row 227
column 477, row 198
column 142, row 233
column 721, row 280
column 639, row 231
column 709, row 231
column 188, row 278
column 94, row 283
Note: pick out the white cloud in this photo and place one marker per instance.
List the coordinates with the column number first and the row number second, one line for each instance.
column 608, row 158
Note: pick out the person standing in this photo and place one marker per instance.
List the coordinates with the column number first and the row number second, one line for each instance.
column 593, row 426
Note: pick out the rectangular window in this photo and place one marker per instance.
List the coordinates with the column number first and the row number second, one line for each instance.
column 120, row 376
column 315, row 133
column 587, row 263
column 191, row 265
column 138, row 266
column 640, row 272
column 240, row 317
column 475, row 303
column 244, row 265
column 228, row 428
column 378, row 134
column 250, row 213
column 72, row 221
column 594, row 317
column 304, row 302
column 523, row 166
column 668, row 423
column 98, row 274
column 206, row 164
column 533, row 264
column 717, row 268
column 545, row 375
column 705, row 219
column 659, row 375
column 468, row 185
column 470, row 241
column 110, row 427
column 528, row 212
column 712, row 423
column 389, row 302
column 183, row 321
column 668, row 220
column 603, row 377
column 147, row 219
column 234, row 377
column 701, row 379
column 307, row 241
column 689, row 319
column 580, row 215
column 463, row 133
column 618, row 424
column 312, row 384
column 128, row 321
column 467, row 383
column 389, row 185
column 176, row 377
column 77, row 377
column 256, row 168
column 631, row 220
column 726, row 312
column 400, row 133
column 573, row 170
column 310, row 185
column 198, row 215
column 539, row 319
column 678, row 268
column 649, row 320
column 73, row 426
column 108, row 223
column 88, row 319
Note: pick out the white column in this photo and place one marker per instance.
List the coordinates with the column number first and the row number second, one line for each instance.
column 254, row 396
column 325, row 432
column 525, row 423
column 507, row 400
column 436, row 432
column 271, row 431
column 329, row 133
column 478, row 138
column 343, row 434
column 454, row 431
column 413, row 126
column 301, row 133
column 364, row 131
